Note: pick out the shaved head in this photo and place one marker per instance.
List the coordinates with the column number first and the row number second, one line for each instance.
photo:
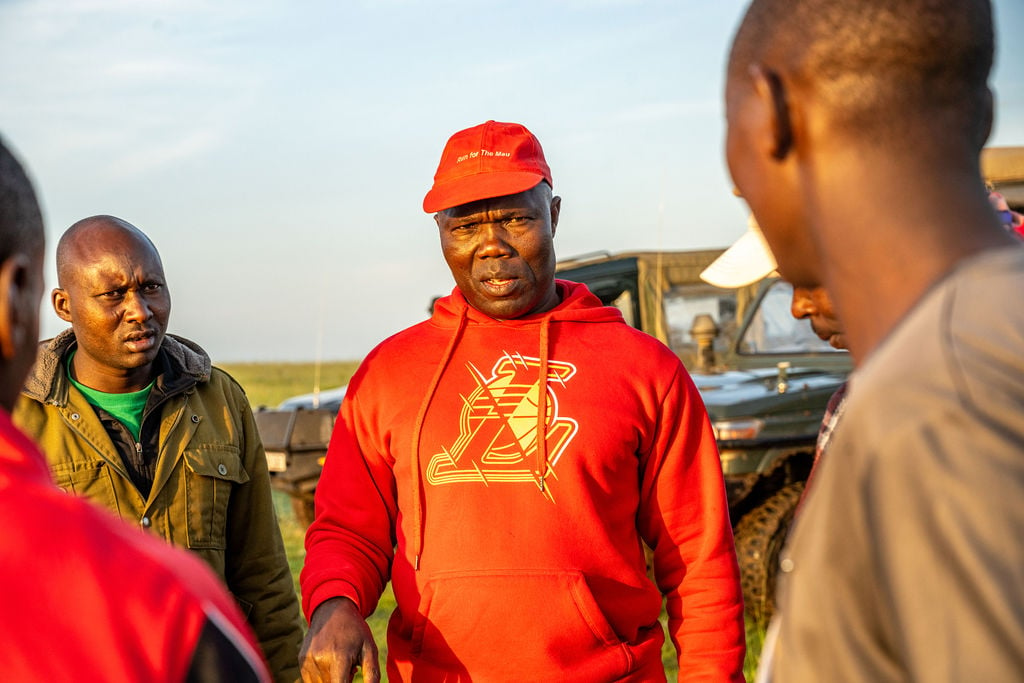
column 854, row 131
column 885, row 69
column 113, row 291
column 88, row 236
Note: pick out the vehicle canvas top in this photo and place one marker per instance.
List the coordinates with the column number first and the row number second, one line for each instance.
column 1003, row 168
column 659, row 292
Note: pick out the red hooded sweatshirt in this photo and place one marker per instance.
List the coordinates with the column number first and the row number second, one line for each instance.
column 518, row 558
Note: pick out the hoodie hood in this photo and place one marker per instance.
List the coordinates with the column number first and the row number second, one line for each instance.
column 577, row 304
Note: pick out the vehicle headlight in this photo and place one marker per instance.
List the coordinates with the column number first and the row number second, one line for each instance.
column 277, row 461
column 738, row 429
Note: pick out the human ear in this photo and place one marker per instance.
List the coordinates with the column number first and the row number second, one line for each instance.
column 61, row 304
column 772, row 91
column 15, row 302
column 556, row 210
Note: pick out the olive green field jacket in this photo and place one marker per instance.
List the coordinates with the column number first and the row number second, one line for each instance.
column 211, row 491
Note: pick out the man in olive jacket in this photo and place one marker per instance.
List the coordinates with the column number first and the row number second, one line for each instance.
column 139, row 422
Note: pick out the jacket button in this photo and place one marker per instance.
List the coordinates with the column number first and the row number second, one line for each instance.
column 222, row 469
column 195, row 419
column 75, row 416
column 145, row 522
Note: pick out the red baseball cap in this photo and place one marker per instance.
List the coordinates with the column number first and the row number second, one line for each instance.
column 493, row 159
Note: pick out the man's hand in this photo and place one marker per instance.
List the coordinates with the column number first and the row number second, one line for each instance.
column 338, row 642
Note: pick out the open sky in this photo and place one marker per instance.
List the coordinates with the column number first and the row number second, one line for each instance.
column 277, row 151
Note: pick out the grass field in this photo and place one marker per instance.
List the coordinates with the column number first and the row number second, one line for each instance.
column 268, row 384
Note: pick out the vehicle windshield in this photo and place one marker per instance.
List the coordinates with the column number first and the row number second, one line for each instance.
column 684, row 301
column 773, row 329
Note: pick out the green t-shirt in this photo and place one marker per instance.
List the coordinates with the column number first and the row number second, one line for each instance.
column 127, row 408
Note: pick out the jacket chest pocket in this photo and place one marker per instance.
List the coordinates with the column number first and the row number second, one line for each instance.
column 90, row 480
column 210, row 477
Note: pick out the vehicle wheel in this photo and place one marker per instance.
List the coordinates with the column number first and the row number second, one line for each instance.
column 760, row 536
column 303, row 509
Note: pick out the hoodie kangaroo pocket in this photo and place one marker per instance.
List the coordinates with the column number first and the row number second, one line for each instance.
column 527, row 624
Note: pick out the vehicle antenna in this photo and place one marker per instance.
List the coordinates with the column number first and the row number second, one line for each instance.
column 319, row 344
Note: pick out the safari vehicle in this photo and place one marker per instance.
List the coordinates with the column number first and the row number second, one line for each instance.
column 764, row 376
column 295, row 436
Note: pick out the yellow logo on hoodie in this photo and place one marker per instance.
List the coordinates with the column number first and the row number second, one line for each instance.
column 498, row 425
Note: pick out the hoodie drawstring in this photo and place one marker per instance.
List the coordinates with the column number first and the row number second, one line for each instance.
column 417, row 496
column 540, row 470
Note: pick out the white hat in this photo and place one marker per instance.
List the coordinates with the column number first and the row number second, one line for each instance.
column 748, row 260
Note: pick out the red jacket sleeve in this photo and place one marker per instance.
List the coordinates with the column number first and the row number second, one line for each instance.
column 684, row 518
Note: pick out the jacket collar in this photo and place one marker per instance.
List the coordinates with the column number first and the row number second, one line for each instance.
column 181, row 364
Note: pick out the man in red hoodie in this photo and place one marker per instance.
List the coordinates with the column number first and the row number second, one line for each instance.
column 86, row 597
column 503, row 462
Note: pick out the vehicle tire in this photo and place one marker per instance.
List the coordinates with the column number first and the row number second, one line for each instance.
column 303, row 509
column 760, row 536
